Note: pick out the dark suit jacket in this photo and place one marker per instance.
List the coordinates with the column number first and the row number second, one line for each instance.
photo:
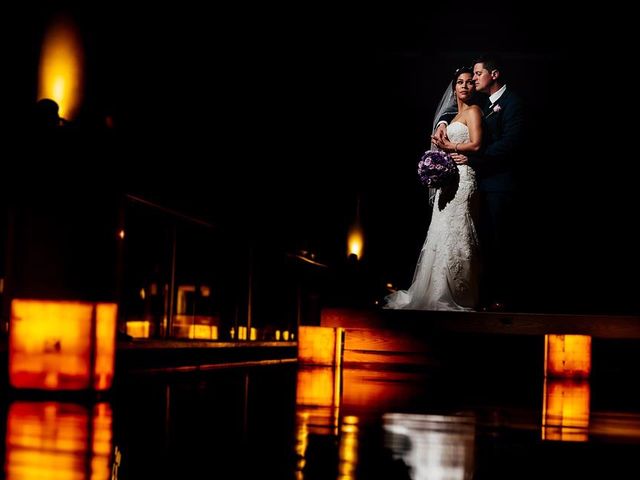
column 503, row 128
column 503, row 142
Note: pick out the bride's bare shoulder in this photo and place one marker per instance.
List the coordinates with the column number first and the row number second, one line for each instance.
column 475, row 110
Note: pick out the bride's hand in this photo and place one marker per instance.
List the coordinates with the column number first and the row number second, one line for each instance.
column 440, row 133
column 445, row 144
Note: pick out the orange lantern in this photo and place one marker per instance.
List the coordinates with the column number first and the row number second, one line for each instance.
column 567, row 356
column 61, row 345
column 320, row 345
column 58, row 440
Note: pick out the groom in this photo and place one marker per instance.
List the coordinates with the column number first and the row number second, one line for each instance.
column 503, row 143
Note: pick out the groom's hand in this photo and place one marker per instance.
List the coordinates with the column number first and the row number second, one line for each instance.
column 460, row 159
column 441, row 133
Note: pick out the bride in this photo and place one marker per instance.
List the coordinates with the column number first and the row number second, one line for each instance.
column 446, row 276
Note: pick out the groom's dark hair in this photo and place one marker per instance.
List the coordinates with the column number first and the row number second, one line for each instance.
column 492, row 62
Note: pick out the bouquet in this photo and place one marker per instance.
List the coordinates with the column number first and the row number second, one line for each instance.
column 436, row 169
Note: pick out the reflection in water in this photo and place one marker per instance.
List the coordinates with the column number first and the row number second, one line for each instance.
column 348, row 452
column 317, row 415
column 434, row 447
column 318, row 387
column 239, row 423
column 58, row 440
column 565, row 410
column 623, row 426
column 368, row 390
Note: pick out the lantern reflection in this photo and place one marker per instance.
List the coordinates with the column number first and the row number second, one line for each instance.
column 317, row 419
column 565, row 410
column 436, row 447
column 59, row 345
column 348, row 448
column 58, row 440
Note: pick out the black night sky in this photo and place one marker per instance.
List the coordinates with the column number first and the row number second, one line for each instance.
column 279, row 118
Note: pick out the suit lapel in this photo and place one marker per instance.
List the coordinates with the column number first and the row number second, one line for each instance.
column 485, row 108
column 499, row 103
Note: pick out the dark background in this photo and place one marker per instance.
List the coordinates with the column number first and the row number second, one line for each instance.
column 298, row 114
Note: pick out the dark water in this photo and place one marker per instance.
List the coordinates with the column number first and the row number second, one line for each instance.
column 287, row 422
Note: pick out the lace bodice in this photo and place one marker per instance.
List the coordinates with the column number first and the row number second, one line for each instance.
column 458, row 132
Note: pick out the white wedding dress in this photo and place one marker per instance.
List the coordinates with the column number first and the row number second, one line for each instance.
column 446, row 277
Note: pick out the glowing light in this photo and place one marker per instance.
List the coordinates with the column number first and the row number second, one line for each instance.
column 317, row 410
column 567, row 356
column 61, row 67
column 61, row 345
column 58, row 440
column 355, row 242
column 138, row 328
column 320, row 345
column 565, row 410
column 318, row 386
column 242, row 333
column 348, row 449
column 204, row 332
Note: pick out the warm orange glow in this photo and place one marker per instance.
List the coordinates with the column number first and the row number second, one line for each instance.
column 609, row 424
column 565, row 410
column 379, row 390
column 318, row 386
column 348, row 449
column 355, row 242
column 61, row 345
column 121, row 234
column 61, row 67
column 317, row 408
column 242, row 333
column 57, row 440
column 567, row 356
column 320, row 345
column 138, row 328
column 203, row 332
column 204, row 327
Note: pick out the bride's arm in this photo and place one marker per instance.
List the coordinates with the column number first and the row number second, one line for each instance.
column 474, row 124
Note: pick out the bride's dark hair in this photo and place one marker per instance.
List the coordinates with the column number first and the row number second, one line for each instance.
column 459, row 72
column 473, row 99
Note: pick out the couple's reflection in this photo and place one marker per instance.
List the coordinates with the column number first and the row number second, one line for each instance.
column 436, row 447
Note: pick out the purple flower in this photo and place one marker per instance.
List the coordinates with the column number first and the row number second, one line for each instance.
column 497, row 108
column 436, row 169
